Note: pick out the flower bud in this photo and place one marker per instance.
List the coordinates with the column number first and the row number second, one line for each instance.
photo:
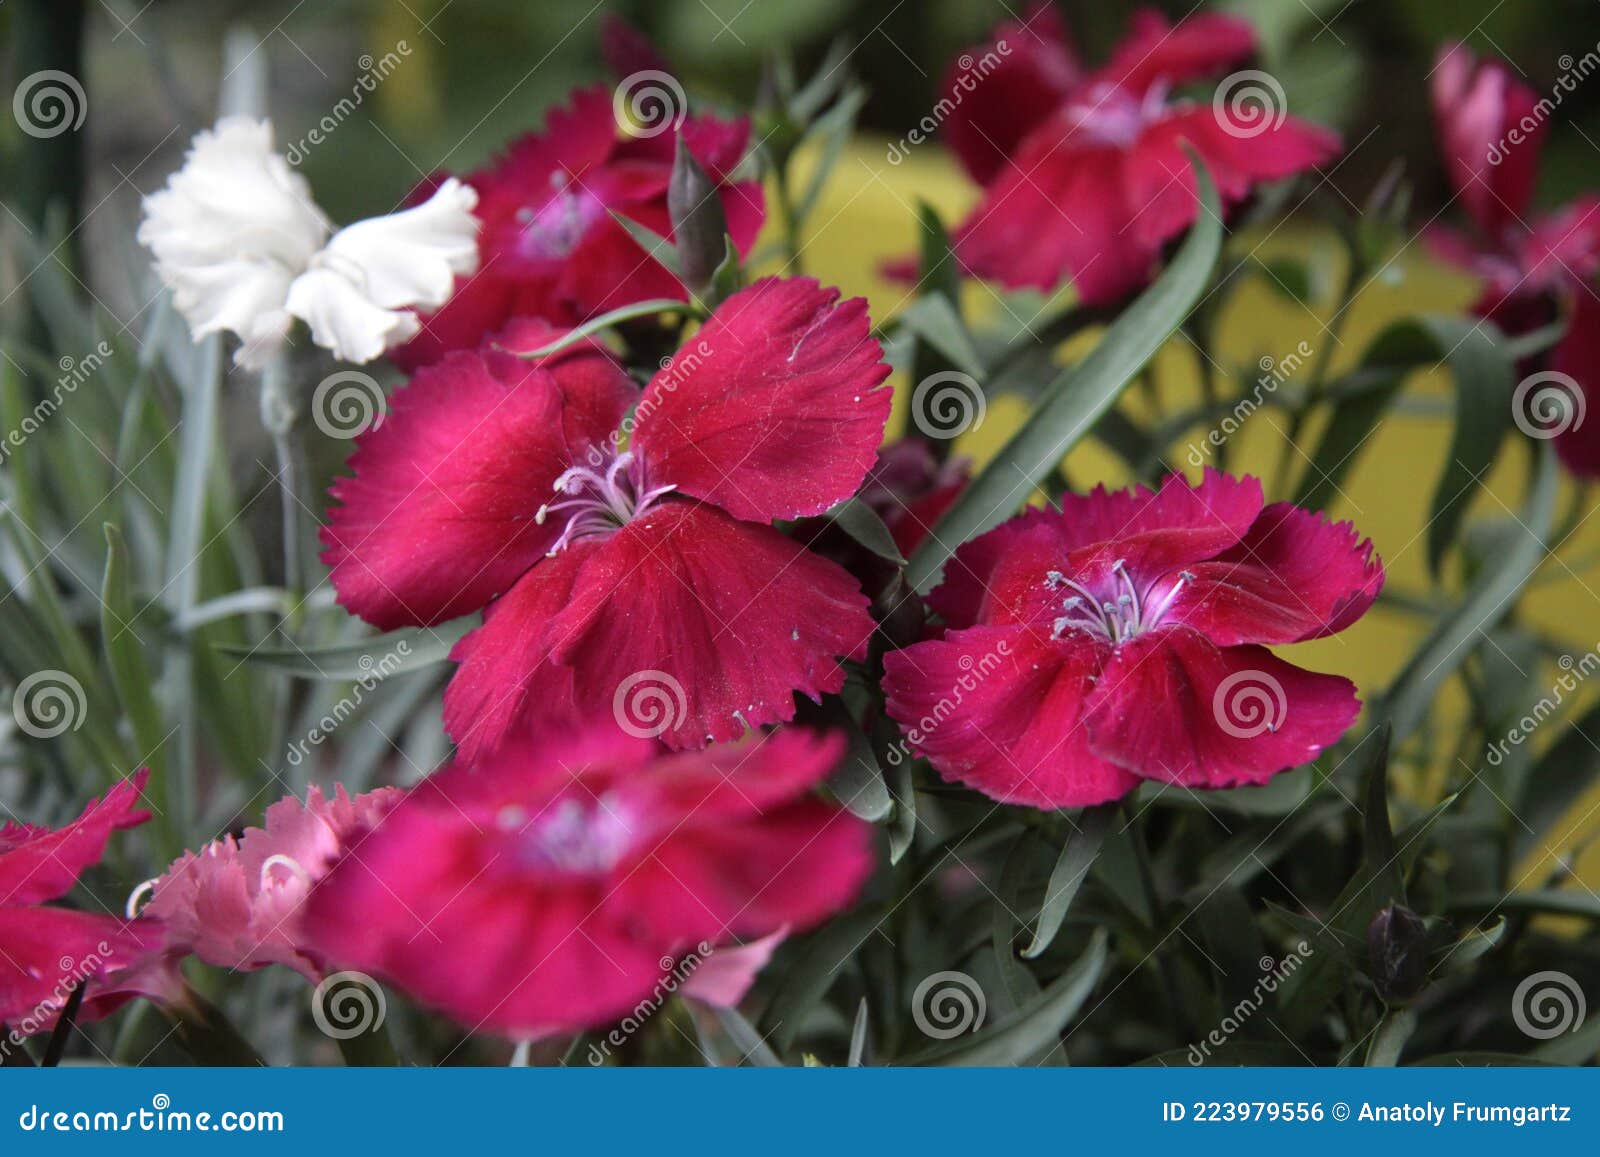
column 1397, row 951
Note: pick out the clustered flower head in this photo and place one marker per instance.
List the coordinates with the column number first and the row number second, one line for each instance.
column 243, row 248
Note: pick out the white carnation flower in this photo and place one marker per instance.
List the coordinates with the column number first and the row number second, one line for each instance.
column 243, row 247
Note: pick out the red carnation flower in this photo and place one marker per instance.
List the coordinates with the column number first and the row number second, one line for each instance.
column 48, row 952
column 549, row 246
column 550, row 889
column 1084, row 173
column 1490, row 137
column 1121, row 638
column 499, row 479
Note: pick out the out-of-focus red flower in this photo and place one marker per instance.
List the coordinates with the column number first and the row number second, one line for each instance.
column 1084, row 173
column 549, row 247
column 49, row 952
column 554, row 886
column 1531, row 267
column 1123, row 638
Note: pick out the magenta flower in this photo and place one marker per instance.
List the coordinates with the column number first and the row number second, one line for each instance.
column 236, row 903
column 501, row 484
column 1123, row 638
column 47, row 952
column 1084, row 175
column 1490, row 135
column 548, row 245
column 551, row 888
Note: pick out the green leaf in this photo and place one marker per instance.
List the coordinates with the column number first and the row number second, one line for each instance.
column 1464, row 953
column 387, row 655
column 753, row 1050
column 858, row 782
column 1031, row 1029
column 858, row 1036
column 1389, row 1041
column 130, row 674
column 833, row 129
column 938, row 270
column 1073, row 402
column 935, row 321
column 823, row 956
column 658, row 247
column 1488, row 601
column 1072, row 866
column 1557, row 781
column 606, row 321
column 866, row 528
column 1382, row 863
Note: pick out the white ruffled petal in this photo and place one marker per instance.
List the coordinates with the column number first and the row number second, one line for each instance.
column 230, row 231
column 413, row 257
column 343, row 319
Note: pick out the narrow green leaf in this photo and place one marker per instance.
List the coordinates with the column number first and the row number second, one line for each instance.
column 935, row 321
column 938, row 270
column 866, row 528
column 823, row 956
column 1486, row 603
column 1378, row 846
column 1032, row 1028
column 1390, row 1039
column 1072, row 403
column 125, row 655
column 606, row 321
column 387, row 655
column 1558, row 780
column 753, row 1050
column 858, row 1036
column 1072, row 866
column 658, row 247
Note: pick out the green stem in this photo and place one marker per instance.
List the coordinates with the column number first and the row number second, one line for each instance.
column 1355, row 270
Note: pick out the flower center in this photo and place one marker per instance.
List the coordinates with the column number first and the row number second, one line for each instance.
column 1111, row 115
column 596, row 503
column 553, row 230
column 572, row 837
column 1120, row 612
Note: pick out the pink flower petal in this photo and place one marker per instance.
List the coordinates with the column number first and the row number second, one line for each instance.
column 39, row 864
column 1002, row 89
column 1172, row 706
column 1295, row 576
column 773, row 409
column 1475, row 106
column 441, row 514
column 723, row 978
column 1198, row 46
column 1001, row 710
